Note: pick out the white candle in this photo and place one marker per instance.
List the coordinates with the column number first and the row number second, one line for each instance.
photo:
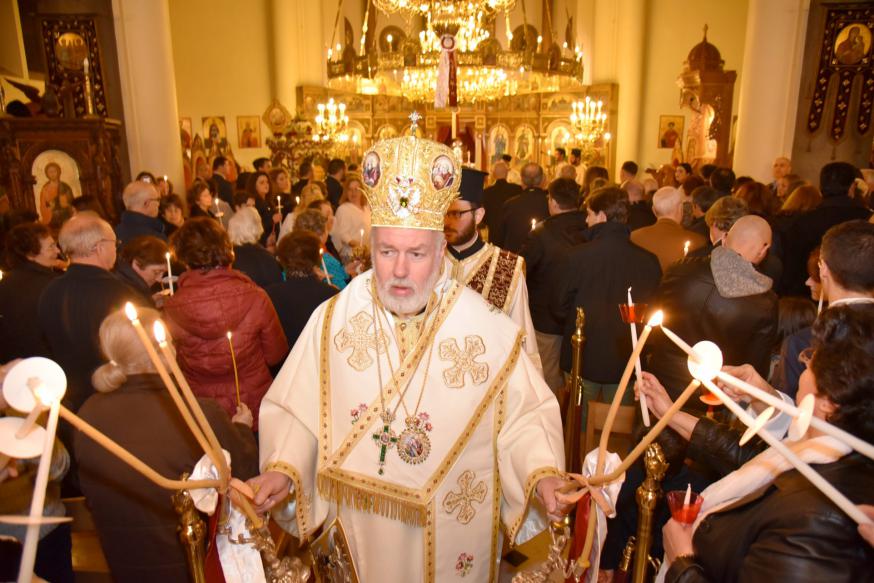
column 819, row 305
column 812, row 475
column 37, row 504
column 688, row 498
column 644, row 408
column 822, row 425
column 169, row 272
column 686, row 248
column 324, row 267
column 361, row 237
column 278, row 202
column 217, row 212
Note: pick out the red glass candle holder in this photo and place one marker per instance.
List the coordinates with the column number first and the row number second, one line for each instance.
column 633, row 313
column 685, row 513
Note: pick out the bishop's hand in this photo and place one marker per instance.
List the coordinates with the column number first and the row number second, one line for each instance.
column 547, row 488
column 270, row 489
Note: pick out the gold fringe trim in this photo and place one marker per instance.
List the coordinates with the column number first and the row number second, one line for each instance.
column 340, row 492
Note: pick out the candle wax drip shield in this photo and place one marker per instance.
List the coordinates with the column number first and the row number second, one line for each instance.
column 681, row 512
column 633, row 313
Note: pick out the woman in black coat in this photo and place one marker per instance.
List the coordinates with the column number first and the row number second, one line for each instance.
column 135, row 519
column 765, row 522
column 300, row 294
column 31, row 253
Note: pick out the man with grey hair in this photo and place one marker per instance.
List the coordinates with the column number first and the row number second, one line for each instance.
column 523, row 211
column 452, row 430
column 140, row 217
column 667, row 238
column 72, row 306
column 496, row 195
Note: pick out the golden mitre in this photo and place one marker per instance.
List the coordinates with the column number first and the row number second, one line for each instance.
column 410, row 182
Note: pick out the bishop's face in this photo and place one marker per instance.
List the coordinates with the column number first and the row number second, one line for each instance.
column 406, row 264
column 459, row 223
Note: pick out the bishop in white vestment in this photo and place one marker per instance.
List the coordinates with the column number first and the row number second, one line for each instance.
column 408, row 412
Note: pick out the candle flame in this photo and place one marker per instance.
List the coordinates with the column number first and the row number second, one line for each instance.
column 159, row 332
column 656, row 319
column 167, row 255
column 705, row 362
column 321, row 252
column 48, row 393
column 131, row 312
column 229, row 335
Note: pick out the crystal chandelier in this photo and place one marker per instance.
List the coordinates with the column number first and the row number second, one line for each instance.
column 589, row 124
column 407, row 66
column 331, row 121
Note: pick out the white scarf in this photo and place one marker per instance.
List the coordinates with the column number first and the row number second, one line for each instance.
column 759, row 472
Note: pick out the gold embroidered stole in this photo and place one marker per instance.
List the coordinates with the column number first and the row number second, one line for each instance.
column 495, row 274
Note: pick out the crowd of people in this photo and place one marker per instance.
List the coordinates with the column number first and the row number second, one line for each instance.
column 780, row 276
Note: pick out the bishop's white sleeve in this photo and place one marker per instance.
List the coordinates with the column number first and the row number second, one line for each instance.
column 288, row 429
column 530, row 447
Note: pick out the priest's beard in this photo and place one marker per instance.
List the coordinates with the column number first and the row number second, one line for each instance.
column 461, row 236
column 415, row 302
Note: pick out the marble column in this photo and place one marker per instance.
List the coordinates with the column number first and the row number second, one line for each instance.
column 299, row 50
column 148, row 87
column 618, row 58
column 769, row 85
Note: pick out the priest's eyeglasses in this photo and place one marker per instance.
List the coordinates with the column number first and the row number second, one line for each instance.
column 455, row 215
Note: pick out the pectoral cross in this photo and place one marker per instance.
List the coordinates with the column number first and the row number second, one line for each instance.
column 385, row 439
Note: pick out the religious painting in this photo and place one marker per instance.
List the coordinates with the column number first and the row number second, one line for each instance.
column 524, row 145
column 57, row 184
column 215, row 132
column 560, row 136
column 185, row 133
column 370, row 171
column 67, row 41
column 277, row 117
column 385, row 132
column 852, row 44
column 249, row 131
column 670, row 130
column 499, row 142
column 442, row 173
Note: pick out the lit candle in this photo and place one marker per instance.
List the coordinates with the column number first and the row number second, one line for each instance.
column 169, row 272
column 296, row 200
column 202, row 430
column 234, row 363
column 533, row 223
column 818, row 306
column 132, row 315
column 165, row 178
column 802, row 413
column 50, row 396
column 686, row 248
column 688, row 498
column 361, row 237
column 812, row 475
column 324, row 267
column 278, row 202
column 644, row 408
column 217, row 212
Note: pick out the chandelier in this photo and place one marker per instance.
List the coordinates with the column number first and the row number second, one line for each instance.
column 589, row 124
column 331, row 122
column 407, row 65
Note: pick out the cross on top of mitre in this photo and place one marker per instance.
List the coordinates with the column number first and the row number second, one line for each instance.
column 414, row 122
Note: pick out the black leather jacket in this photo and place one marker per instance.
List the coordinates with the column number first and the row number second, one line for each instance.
column 787, row 531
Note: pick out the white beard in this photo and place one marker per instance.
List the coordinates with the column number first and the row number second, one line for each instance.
column 412, row 304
